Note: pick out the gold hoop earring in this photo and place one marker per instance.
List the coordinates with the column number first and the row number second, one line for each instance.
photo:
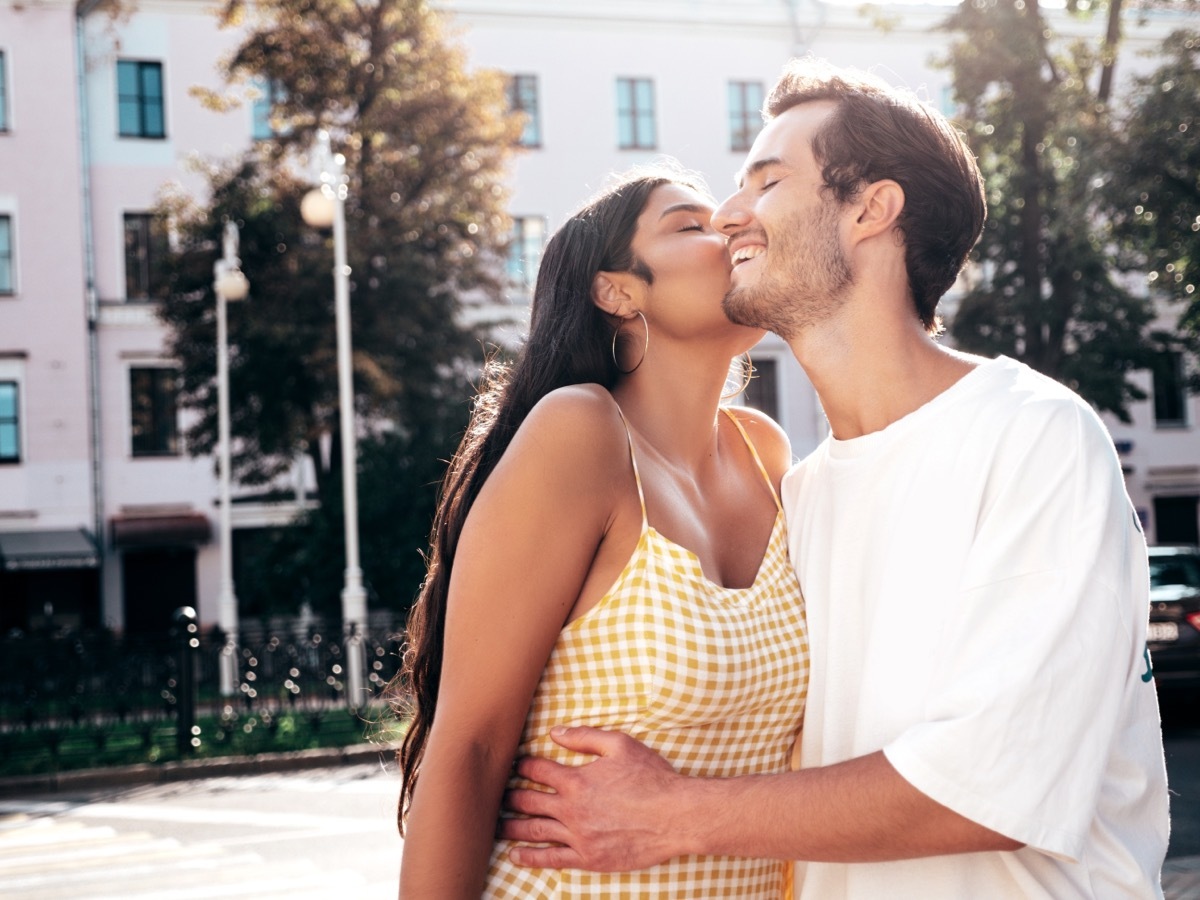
column 645, row 344
column 747, row 374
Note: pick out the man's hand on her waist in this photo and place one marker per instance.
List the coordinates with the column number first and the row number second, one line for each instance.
column 609, row 815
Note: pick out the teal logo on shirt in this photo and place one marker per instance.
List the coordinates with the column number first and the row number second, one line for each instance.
column 1149, row 673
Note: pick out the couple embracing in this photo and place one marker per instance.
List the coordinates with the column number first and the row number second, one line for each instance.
column 913, row 663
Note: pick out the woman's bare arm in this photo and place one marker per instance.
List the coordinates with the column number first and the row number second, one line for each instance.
column 525, row 550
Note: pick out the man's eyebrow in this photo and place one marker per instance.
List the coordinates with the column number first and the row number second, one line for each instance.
column 684, row 207
column 755, row 167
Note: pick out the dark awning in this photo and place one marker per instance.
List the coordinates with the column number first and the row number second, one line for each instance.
column 39, row 551
column 160, row 531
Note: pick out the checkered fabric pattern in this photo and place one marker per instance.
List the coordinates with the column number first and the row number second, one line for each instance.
column 712, row 678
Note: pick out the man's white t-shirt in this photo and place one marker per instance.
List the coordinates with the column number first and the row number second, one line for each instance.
column 977, row 592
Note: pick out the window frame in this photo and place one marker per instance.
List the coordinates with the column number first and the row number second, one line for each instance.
column 745, row 119
column 9, row 253
column 161, row 414
column 949, row 106
column 521, row 267
column 1175, row 518
column 5, row 107
column 13, row 422
column 270, row 93
column 761, row 387
column 631, row 116
column 1169, row 391
column 153, row 249
column 141, row 100
column 524, row 97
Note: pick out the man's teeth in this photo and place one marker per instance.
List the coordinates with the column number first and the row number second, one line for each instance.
column 744, row 253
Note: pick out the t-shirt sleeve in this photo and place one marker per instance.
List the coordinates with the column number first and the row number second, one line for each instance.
column 1028, row 695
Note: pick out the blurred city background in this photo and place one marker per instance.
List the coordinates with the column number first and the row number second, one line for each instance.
column 254, row 254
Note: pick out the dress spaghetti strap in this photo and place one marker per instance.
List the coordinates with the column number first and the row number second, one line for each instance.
column 753, row 452
column 637, row 477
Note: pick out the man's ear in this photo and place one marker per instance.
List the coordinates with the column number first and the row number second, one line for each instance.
column 612, row 292
column 879, row 207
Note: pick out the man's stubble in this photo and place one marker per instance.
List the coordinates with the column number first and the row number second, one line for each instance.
column 807, row 280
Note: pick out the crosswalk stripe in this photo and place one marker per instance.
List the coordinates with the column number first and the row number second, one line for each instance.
column 336, row 885
column 138, row 846
column 125, row 873
column 41, row 832
column 186, row 815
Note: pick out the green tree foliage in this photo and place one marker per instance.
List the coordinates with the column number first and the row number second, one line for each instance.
column 399, row 474
column 1155, row 183
column 1047, row 292
column 426, row 142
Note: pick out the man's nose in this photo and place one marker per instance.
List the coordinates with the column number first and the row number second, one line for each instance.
column 730, row 215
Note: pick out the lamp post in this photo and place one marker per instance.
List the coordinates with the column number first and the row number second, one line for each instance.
column 322, row 207
column 230, row 285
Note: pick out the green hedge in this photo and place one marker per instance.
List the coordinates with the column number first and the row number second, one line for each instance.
column 38, row 751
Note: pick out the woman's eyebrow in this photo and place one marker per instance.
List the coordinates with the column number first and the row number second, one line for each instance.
column 685, row 207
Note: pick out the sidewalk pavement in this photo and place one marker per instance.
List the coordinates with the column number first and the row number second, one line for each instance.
column 185, row 770
column 1180, row 879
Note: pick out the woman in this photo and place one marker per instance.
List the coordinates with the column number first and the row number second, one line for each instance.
column 598, row 556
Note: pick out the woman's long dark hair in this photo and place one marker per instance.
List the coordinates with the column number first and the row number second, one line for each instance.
column 569, row 342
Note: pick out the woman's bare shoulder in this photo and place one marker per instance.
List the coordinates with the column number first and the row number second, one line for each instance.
column 586, row 400
column 769, row 439
column 577, row 425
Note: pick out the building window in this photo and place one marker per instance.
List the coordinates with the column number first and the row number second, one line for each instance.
column 745, row 113
column 3, row 94
column 523, row 98
column 140, row 99
column 1176, row 520
column 270, row 95
column 1170, row 397
column 525, row 251
column 153, row 411
column 6, row 255
column 762, row 393
column 146, row 248
column 10, row 423
column 949, row 105
column 635, row 114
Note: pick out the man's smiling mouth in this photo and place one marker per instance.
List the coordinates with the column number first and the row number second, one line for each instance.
column 741, row 254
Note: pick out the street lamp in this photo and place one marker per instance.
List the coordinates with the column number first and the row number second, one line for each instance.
column 323, row 207
column 230, row 285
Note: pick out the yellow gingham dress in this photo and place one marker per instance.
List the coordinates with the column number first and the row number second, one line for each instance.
column 712, row 678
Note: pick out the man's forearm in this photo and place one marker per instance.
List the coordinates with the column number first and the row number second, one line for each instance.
column 627, row 809
column 858, row 811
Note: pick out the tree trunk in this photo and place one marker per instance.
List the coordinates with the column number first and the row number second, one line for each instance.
column 327, row 472
column 1029, row 94
column 1109, row 53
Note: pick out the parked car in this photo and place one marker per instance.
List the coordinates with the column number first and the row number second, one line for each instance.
column 1173, row 635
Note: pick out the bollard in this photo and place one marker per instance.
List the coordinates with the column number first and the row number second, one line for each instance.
column 356, row 695
column 189, row 644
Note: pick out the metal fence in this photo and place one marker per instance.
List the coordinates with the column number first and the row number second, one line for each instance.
column 95, row 698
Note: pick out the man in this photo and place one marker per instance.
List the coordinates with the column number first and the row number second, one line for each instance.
column 981, row 717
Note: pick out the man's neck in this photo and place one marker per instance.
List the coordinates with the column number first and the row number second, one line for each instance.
column 869, row 377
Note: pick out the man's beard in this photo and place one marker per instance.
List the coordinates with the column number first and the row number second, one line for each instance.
column 808, row 283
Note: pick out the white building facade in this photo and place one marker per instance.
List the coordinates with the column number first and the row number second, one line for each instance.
column 104, row 517
column 46, row 478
